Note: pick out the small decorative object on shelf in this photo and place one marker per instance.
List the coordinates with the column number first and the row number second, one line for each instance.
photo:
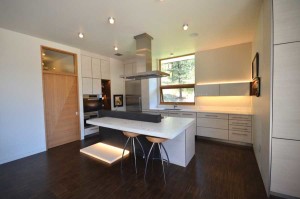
column 255, row 87
column 118, row 100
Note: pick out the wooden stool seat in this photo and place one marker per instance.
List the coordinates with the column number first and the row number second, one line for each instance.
column 130, row 134
column 156, row 139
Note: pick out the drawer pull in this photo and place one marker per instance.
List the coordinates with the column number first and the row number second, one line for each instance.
column 211, row 115
column 236, row 128
column 238, row 123
column 186, row 114
column 239, row 134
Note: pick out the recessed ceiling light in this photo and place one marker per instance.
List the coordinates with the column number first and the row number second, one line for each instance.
column 80, row 35
column 111, row 20
column 185, row 26
column 43, row 54
column 116, row 48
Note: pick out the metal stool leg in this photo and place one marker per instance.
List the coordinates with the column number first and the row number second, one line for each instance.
column 134, row 155
column 144, row 154
column 123, row 153
column 147, row 161
column 166, row 153
column 162, row 162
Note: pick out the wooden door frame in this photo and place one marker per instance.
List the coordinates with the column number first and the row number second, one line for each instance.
column 66, row 74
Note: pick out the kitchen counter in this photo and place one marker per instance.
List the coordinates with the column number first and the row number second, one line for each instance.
column 180, row 133
column 169, row 127
column 208, row 110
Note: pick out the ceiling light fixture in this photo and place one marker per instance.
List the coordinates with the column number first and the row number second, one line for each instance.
column 116, row 48
column 44, row 54
column 80, row 35
column 185, row 26
column 111, row 20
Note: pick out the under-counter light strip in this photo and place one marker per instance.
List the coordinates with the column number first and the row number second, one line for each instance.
column 211, row 83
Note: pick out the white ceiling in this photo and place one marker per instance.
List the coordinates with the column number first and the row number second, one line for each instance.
column 217, row 22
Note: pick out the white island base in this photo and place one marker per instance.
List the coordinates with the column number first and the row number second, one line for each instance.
column 181, row 149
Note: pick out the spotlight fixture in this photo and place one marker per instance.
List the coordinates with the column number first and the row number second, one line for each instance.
column 80, row 35
column 44, row 54
column 116, row 48
column 185, row 26
column 111, row 20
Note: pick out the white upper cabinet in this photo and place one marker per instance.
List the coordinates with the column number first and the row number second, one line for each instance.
column 105, row 69
column 286, row 21
column 87, row 86
column 96, row 69
column 97, row 87
column 207, row 90
column 235, row 89
column 86, row 66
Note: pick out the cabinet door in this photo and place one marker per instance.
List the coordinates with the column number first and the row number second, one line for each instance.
column 286, row 95
column 235, row 89
column 212, row 123
column 97, row 86
column 285, row 173
column 128, row 69
column 212, row 133
column 105, row 69
column 86, row 66
column 87, row 86
column 207, row 90
column 96, row 70
column 286, row 21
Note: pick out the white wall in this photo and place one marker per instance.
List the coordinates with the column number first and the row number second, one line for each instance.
column 226, row 64
column 22, row 126
column 117, row 83
column 261, row 106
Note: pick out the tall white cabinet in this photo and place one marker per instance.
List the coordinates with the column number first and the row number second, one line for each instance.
column 285, row 167
column 92, row 71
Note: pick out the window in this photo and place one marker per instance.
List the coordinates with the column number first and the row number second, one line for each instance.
column 179, row 86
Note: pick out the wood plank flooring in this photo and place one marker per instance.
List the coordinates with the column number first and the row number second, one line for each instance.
column 217, row 171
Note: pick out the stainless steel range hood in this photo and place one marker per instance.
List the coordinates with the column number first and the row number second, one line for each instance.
column 143, row 49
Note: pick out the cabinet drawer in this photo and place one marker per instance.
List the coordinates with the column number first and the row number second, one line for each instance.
column 151, row 112
column 213, row 115
column 212, row 123
column 239, row 117
column 164, row 113
column 240, row 136
column 91, row 130
column 239, row 122
column 240, row 128
column 174, row 114
column 212, row 133
column 188, row 114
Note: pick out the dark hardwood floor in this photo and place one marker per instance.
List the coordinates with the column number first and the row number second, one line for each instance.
column 217, row 171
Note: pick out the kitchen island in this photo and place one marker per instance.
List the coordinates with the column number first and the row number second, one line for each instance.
column 180, row 133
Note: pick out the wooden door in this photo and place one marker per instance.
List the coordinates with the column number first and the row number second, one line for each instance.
column 60, row 104
column 61, row 109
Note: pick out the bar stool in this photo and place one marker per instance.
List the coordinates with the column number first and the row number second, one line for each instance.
column 132, row 137
column 158, row 141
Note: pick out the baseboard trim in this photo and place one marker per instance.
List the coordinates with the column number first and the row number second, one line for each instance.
column 22, row 155
column 283, row 195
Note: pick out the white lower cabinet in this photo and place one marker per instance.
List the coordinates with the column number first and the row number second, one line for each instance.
column 212, row 132
column 232, row 127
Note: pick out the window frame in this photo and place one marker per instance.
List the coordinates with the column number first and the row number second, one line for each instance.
column 175, row 86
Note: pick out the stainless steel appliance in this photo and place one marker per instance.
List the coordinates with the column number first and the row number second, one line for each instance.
column 133, row 92
column 91, row 105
